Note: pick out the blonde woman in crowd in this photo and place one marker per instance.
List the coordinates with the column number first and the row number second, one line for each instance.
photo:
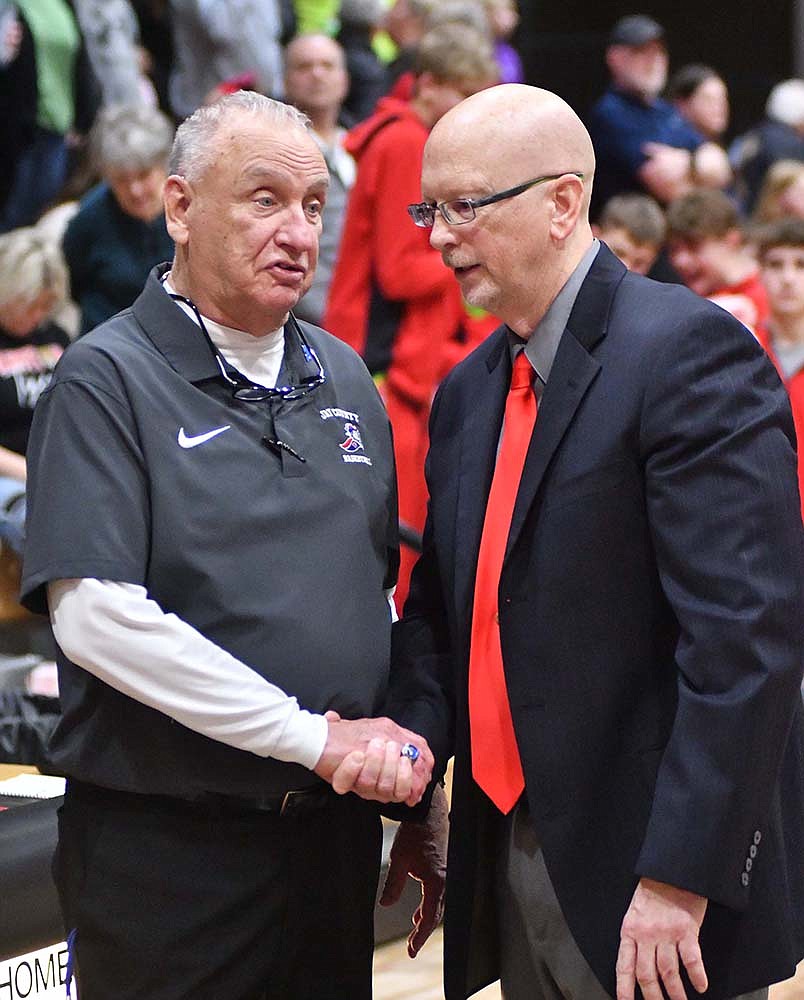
column 782, row 193
column 33, row 283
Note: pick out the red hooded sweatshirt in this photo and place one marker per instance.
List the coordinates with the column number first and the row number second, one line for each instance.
column 391, row 297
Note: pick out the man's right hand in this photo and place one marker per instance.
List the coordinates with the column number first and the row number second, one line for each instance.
column 363, row 756
column 667, row 171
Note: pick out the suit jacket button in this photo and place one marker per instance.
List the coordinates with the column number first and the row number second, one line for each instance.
column 757, row 837
column 752, row 851
column 744, row 878
column 749, row 864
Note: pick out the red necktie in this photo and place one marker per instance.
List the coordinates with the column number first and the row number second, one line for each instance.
column 495, row 757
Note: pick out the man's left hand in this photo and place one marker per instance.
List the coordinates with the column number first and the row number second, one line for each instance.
column 660, row 926
column 420, row 850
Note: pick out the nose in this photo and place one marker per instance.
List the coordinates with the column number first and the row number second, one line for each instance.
column 442, row 235
column 296, row 231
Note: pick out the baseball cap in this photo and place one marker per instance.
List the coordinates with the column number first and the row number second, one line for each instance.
column 636, row 29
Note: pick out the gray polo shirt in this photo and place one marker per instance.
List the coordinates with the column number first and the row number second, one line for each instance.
column 144, row 468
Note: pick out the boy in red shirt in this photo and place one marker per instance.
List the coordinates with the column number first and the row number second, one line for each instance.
column 707, row 247
column 781, row 260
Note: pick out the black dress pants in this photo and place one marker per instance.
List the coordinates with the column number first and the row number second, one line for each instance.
column 170, row 900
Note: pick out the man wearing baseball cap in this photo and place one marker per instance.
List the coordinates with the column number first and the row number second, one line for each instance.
column 641, row 142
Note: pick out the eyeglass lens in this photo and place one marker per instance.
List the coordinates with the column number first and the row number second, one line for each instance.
column 459, row 210
column 454, row 212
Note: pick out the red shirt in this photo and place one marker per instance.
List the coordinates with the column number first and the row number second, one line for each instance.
column 795, row 389
column 747, row 301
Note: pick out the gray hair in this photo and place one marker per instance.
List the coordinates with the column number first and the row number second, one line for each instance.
column 467, row 12
column 191, row 152
column 29, row 266
column 130, row 137
column 455, row 53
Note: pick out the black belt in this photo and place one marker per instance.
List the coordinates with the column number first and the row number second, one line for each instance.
column 293, row 802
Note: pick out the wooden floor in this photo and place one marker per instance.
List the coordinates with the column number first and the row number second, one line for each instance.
column 396, row 977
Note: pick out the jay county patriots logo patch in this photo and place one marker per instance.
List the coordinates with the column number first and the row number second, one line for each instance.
column 353, row 440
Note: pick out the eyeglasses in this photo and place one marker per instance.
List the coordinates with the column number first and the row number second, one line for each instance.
column 461, row 210
column 248, row 391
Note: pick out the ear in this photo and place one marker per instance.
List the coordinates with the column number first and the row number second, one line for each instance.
column 177, row 197
column 568, row 198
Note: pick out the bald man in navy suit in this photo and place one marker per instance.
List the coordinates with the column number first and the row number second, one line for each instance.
column 649, row 604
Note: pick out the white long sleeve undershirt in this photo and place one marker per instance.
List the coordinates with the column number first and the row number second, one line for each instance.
column 116, row 632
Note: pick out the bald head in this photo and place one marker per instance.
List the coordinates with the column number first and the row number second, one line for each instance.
column 316, row 80
column 533, row 130
column 525, row 157
column 305, row 47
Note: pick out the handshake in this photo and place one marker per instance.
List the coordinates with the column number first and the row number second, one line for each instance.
column 376, row 759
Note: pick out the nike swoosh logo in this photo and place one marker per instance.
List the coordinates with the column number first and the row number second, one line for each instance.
column 193, row 442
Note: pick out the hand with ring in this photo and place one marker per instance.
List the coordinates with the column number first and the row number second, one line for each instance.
column 376, row 759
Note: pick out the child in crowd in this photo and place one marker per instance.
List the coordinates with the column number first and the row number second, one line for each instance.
column 707, row 248
column 633, row 227
column 780, row 247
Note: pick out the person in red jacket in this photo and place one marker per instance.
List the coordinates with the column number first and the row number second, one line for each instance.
column 781, row 259
column 392, row 298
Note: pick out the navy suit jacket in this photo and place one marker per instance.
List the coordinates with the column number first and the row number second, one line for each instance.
column 652, row 630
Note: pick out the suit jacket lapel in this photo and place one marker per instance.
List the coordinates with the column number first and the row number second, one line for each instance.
column 479, row 440
column 573, row 371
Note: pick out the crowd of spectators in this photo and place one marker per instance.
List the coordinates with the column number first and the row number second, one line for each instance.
column 392, row 298
column 91, row 92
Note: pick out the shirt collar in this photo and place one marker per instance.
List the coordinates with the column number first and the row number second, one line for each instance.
column 181, row 341
column 228, row 338
column 540, row 348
